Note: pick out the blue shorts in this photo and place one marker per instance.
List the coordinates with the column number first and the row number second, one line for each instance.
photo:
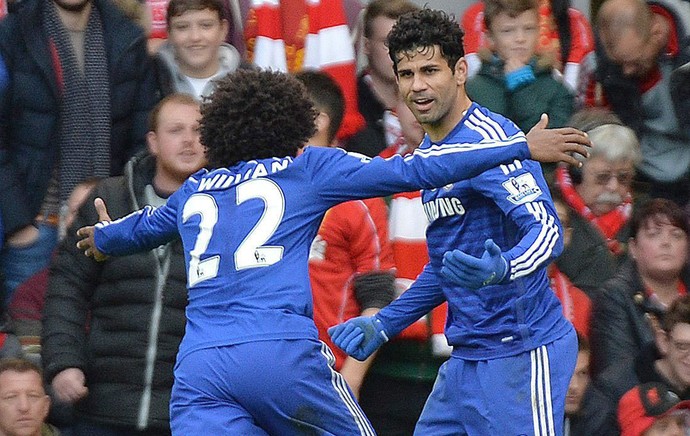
column 279, row 387
column 511, row 396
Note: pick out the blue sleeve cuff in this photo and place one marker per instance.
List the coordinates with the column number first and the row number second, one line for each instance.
column 521, row 76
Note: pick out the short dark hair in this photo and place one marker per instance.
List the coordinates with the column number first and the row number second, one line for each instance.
column 326, row 95
column 255, row 114
column 392, row 9
column 19, row 365
column 178, row 97
column 513, row 8
column 179, row 7
column 656, row 208
column 677, row 313
column 424, row 29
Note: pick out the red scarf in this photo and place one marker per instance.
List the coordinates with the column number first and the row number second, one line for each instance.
column 608, row 224
column 577, row 306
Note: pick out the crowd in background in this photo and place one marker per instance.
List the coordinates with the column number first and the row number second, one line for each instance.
column 101, row 98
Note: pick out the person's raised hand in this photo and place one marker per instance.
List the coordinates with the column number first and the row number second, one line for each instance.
column 557, row 145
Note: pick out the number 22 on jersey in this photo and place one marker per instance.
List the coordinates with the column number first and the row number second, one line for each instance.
column 251, row 253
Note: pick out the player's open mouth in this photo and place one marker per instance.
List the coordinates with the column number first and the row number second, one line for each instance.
column 423, row 103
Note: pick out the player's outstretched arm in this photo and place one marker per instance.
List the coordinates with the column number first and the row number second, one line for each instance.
column 87, row 243
column 471, row 272
column 359, row 337
column 557, row 145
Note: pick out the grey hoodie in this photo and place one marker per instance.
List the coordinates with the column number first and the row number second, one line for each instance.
column 173, row 80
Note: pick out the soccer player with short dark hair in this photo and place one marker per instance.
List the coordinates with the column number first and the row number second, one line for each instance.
column 490, row 238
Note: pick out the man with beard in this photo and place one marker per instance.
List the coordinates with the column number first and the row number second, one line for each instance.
column 600, row 195
column 75, row 106
column 111, row 330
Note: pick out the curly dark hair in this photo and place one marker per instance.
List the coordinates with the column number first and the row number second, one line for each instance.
column 255, row 114
column 423, row 29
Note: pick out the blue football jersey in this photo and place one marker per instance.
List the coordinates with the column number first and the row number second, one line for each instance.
column 510, row 204
column 247, row 229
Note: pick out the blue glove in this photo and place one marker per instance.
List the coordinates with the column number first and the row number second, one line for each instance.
column 473, row 273
column 359, row 337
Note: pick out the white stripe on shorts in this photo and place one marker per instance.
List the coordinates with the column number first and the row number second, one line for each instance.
column 542, row 409
column 340, row 385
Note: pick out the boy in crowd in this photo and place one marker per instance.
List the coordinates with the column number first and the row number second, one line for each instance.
column 195, row 53
column 513, row 80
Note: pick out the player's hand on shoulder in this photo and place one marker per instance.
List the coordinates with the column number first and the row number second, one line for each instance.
column 557, row 145
column 359, row 337
column 87, row 242
column 472, row 272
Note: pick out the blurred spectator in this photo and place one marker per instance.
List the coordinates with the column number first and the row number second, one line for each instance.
column 577, row 305
column 291, row 35
column 350, row 262
column 23, row 401
column 662, row 361
column 403, row 373
column 9, row 342
column 195, row 52
column 651, row 409
column 111, row 330
column 653, row 277
column 575, row 399
column 565, row 35
column 642, row 47
column 514, row 80
column 26, row 307
column 137, row 12
column 81, row 88
column 601, row 195
column 377, row 90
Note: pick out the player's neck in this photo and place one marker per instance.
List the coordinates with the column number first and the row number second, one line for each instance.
column 440, row 129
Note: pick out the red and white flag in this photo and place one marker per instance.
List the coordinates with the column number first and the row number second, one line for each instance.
column 327, row 47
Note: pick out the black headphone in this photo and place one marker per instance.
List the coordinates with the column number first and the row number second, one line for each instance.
column 575, row 174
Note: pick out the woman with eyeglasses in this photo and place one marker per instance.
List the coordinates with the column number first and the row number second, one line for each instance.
column 653, row 276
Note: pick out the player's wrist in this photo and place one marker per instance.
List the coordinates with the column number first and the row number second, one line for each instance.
column 380, row 327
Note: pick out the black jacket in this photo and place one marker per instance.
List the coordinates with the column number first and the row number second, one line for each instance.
column 29, row 107
column 587, row 261
column 620, row 322
column 104, row 317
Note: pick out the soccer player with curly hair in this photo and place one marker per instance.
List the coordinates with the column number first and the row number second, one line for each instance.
column 490, row 239
column 251, row 362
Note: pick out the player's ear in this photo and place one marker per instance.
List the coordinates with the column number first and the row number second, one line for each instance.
column 460, row 71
